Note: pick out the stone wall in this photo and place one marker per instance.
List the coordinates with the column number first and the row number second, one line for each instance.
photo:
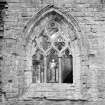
column 2, row 14
column 90, row 15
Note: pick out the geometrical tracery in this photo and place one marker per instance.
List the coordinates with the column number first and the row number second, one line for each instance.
column 55, row 56
column 44, row 40
column 59, row 42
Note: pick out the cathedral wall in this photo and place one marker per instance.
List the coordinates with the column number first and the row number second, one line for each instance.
column 90, row 15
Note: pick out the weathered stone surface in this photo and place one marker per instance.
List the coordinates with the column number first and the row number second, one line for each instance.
column 17, row 17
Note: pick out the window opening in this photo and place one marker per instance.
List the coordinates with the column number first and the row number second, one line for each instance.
column 38, row 67
column 67, row 67
column 52, row 67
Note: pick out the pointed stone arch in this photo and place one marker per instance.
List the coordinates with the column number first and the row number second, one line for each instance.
column 34, row 21
column 77, row 43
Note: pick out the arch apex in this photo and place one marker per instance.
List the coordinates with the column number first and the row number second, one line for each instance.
column 48, row 9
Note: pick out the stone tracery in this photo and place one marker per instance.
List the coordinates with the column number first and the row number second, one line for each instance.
column 66, row 27
column 51, row 39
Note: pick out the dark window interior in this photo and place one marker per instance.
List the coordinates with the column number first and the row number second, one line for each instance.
column 67, row 69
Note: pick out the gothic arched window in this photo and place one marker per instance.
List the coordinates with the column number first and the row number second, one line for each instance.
column 54, row 53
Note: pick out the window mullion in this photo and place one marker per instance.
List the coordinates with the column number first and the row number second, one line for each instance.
column 60, row 71
column 45, row 69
